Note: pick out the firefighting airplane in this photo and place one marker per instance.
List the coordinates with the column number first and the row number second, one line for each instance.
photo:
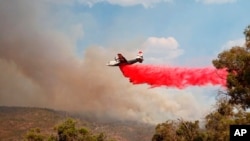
column 120, row 60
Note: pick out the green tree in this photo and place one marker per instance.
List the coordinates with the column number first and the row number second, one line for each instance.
column 34, row 135
column 247, row 36
column 216, row 128
column 178, row 131
column 189, row 131
column 66, row 131
column 237, row 62
column 218, row 121
column 165, row 132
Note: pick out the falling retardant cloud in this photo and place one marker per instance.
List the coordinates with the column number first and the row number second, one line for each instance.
column 39, row 67
column 178, row 77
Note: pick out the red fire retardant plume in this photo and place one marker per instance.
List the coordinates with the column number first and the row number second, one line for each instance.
column 177, row 77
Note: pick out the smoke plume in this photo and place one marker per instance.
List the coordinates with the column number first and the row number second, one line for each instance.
column 177, row 77
column 39, row 67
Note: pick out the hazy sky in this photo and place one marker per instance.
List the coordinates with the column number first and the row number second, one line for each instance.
column 53, row 53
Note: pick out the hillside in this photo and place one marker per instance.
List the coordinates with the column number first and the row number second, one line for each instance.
column 16, row 121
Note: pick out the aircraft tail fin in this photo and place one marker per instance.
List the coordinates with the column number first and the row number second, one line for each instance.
column 140, row 56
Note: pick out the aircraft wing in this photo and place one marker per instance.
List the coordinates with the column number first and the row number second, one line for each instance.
column 121, row 58
column 113, row 63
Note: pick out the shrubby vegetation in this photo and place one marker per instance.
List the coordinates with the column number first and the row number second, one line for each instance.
column 231, row 105
column 66, row 131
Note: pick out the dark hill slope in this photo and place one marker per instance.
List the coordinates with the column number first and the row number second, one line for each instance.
column 16, row 121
